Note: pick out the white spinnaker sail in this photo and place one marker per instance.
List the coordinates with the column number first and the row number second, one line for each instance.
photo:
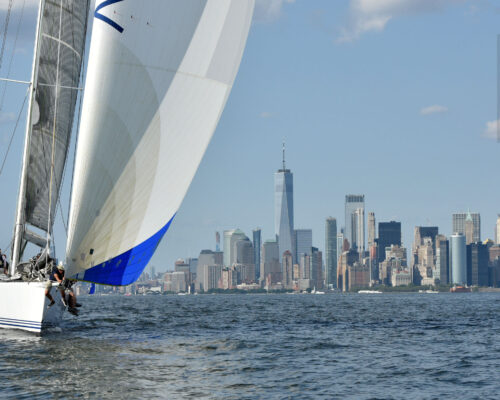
column 159, row 75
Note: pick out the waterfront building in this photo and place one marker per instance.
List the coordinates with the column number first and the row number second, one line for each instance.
column 358, row 276
column 229, row 278
column 305, row 266
column 245, row 273
column 458, row 224
column 316, row 262
column 287, row 270
column 371, row 228
column 331, row 252
column 210, row 277
column 303, row 242
column 458, row 259
column 389, row 233
column 270, row 264
column 442, row 259
column 352, row 203
column 400, row 276
column 257, row 243
column 206, row 258
column 283, row 209
column 477, row 264
column 346, row 259
column 175, row 281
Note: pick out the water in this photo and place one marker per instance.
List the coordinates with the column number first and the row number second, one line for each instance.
column 263, row 346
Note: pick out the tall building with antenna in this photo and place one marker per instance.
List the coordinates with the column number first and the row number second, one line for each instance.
column 283, row 209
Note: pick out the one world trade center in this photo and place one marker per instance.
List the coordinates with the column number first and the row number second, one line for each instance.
column 283, row 209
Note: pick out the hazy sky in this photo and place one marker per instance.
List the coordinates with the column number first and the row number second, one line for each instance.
column 396, row 100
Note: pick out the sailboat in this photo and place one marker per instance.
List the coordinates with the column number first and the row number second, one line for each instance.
column 159, row 74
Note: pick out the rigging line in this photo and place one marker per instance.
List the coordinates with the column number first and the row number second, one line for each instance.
column 55, row 122
column 6, row 28
column 14, row 131
column 2, row 97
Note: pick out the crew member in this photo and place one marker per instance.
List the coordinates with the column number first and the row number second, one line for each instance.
column 56, row 276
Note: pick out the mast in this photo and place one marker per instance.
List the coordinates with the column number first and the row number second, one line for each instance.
column 20, row 217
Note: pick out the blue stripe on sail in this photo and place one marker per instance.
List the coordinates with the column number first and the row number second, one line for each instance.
column 125, row 268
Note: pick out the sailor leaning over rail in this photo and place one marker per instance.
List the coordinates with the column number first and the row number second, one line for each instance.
column 57, row 275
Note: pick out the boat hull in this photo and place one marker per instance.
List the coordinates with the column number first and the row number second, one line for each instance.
column 23, row 305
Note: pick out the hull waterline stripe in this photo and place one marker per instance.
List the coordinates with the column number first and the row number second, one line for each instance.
column 21, row 326
column 125, row 268
column 28, row 321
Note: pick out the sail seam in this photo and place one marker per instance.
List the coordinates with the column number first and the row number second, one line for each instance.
column 63, row 43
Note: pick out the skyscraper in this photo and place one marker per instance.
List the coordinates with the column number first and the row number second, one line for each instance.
column 372, row 234
column 270, row 264
column 477, row 264
column 352, row 203
column 458, row 259
column 331, row 252
column 469, row 229
column 283, row 209
column 388, row 233
column 459, row 225
column 257, row 242
column 359, row 215
column 442, row 259
column 230, row 238
column 302, row 242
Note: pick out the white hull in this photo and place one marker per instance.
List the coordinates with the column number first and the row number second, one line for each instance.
column 23, row 305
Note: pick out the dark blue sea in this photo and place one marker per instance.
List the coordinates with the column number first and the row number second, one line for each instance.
column 354, row 346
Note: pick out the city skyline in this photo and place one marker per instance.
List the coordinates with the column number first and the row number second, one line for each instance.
column 348, row 128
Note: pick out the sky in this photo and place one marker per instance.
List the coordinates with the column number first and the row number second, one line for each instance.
column 393, row 99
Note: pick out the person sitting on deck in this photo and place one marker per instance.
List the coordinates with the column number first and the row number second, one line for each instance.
column 56, row 276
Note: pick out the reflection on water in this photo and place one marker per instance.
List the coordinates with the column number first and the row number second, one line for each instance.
column 262, row 346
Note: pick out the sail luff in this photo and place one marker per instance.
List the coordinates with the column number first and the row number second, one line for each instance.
column 20, row 215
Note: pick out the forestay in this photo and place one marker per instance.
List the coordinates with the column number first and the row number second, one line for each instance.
column 61, row 44
column 159, row 75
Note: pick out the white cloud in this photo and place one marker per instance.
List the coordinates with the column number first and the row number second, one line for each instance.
column 269, row 10
column 373, row 15
column 435, row 109
column 266, row 114
column 491, row 130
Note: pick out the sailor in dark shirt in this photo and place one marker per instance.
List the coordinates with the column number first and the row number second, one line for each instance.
column 57, row 276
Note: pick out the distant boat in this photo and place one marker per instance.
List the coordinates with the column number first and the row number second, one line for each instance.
column 158, row 77
column 460, row 289
column 428, row 291
column 369, row 291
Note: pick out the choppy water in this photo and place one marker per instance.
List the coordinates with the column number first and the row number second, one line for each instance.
column 263, row 346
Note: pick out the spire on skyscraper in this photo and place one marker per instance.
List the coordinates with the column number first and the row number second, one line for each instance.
column 284, row 155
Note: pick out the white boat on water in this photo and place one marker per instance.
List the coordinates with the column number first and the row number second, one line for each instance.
column 369, row 291
column 158, row 77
